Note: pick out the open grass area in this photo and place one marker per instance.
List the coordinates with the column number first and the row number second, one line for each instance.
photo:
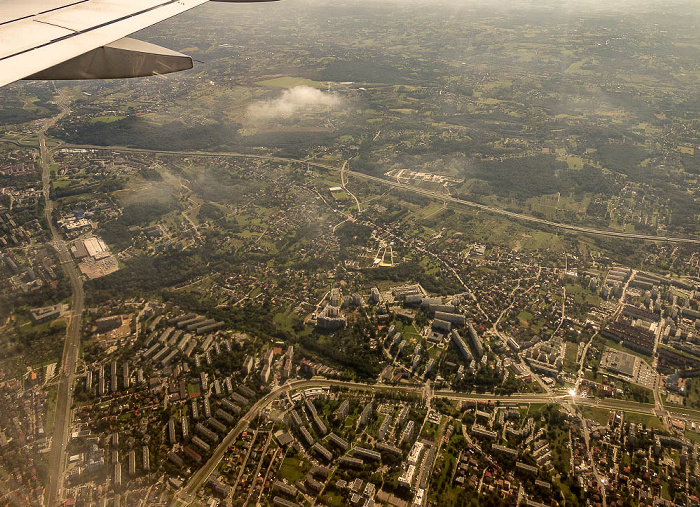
column 540, row 240
column 340, row 196
column 430, row 431
column 582, row 296
column 570, row 357
column 333, row 499
column 293, row 469
column 525, row 316
column 651, row 421
column 599, row 415
column 692, row 389
column 410, row 331
column 51, row 409
column 288, row 82
column 106, row 119
column 285, row 320
column 446, row 465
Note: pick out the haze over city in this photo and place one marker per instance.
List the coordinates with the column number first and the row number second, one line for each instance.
column 399, row 253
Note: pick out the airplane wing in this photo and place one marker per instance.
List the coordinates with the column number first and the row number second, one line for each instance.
column 86, row 39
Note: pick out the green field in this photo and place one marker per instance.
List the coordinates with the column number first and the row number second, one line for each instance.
column 289, row 82
column 650, row 421
column 106, row 119
column 599, row 415
column 293, row 469
column 570, row 357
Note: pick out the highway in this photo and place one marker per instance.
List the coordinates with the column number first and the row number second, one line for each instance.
column 64, row 397
column 428, row 193
column 521, row 216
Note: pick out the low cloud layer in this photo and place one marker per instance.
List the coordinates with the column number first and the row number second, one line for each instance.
column 294, row 102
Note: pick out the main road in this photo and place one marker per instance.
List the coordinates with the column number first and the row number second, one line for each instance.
column 64, row 397
column 187, row 494
column 411, row 188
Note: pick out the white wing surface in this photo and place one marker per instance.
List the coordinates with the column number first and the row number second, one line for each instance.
column 85, row 39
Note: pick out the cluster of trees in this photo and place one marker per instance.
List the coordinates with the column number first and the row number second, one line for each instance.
column 150, row 174
column 481, row 381
column 144, row 212
column 144, row 275
column 372, row 70
column 352, row 234
column 287, row 143
column 137, row 132
column 412, row 270
column 350, row 350
column 209, row 211
column 13, row 111
column 73, row 189
column 24, row 347
column 18, row 304
column 623, row 157
column 525, row 177
column 640, row 394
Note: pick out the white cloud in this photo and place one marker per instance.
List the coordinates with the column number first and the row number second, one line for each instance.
column 293, row 102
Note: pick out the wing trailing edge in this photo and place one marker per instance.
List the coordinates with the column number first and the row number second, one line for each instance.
column 121, row 59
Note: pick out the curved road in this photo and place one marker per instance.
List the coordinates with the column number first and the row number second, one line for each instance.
column 410, row 188
column 342, row 183
column 187, row 494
